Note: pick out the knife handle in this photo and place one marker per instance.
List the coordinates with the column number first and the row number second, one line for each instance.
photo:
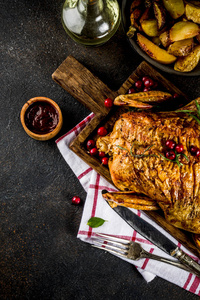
column 186, row 260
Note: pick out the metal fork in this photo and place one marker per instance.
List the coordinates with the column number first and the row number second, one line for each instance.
column 129, row 249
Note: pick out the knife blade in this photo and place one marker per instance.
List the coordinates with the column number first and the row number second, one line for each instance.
column 157, row 238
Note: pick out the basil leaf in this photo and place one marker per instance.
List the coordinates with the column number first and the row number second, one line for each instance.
column 95, row 222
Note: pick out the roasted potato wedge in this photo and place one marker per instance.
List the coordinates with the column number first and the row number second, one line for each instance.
column 156, row 40
column 175, row 8
column 181, row 48
column 146, row 15
column 198, row 38
column 164, row 38
column 192, row 12
column 189, row 62
column 183, row 30
column 160, row 14
column 135, row 4
column 154, row 51
column 150, row 27
column 135, row 15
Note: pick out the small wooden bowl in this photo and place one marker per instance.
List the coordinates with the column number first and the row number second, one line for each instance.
column 37, row 136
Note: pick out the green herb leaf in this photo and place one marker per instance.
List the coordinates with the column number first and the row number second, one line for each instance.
column 131, row 152
column 121, row 148
column 198, row 108
column 189, row 112
column 186, row 111
column 198, row 120
column 165, row 157
column 138, row 155
column 95, row 222
column 185, row 156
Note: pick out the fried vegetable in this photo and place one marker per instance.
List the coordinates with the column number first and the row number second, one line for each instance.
column 131, row 31
column 147, row 3
column 135, row 15
column 160, row 14
column 150, row 27
column 175, row 8
column 198, row 38
column 156, row 40
column 143, row 98
column 130, row 199
column 192, row 12
column 181, row 48
column 164, row 38
column 135, row 4
column 146, row 15
column 154, row 51
column 189, row 62
column 183, row 30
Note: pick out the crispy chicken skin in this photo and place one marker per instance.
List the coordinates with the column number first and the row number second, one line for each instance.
column 135, row 147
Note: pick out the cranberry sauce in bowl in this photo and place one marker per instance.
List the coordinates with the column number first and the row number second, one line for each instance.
column 41, row 118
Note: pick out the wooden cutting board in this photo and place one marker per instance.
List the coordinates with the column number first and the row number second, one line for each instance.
column 92, row 92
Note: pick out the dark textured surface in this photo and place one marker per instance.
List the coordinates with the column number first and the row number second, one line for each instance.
column 40, row 256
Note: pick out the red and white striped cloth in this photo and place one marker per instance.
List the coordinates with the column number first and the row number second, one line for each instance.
column 94, row 205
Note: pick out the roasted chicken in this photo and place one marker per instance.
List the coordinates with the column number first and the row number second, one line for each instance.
column 137, row 162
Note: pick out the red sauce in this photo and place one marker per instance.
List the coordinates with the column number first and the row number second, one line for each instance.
column 41, row 117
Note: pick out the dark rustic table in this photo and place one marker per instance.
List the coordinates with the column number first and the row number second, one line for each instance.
column 40, row 256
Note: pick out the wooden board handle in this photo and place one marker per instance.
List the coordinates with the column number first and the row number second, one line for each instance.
column 83, row 85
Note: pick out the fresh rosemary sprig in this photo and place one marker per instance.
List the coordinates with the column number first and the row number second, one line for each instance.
column 189, row 112
column 138, row 155
column 176, row 160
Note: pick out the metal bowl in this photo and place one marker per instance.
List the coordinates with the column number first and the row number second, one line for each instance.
column 166, row 68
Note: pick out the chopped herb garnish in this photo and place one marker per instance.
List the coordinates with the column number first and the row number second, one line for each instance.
column 190, row 112
column 138, row 155
column 176, row 160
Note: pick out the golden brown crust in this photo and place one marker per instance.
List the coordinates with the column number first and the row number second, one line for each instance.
column 135, row 163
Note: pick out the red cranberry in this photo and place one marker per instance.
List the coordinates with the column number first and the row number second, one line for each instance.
column 104, row 161
column 176, row 96
column 101, row 154
column 148, row 83
column 139, row 84
column 94, row 151
column 145, row 78
column 155, row 85
column 90, row 144
column 146, row 89
column 170, row 144
column 170, row 155
column 102, row 131
column 198, row 153
column 131, row 91
column 179, row 148
column 193, row 150
column 76, row 200
column 108, row 103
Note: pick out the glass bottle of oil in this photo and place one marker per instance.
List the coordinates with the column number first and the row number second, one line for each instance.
column 91, row 22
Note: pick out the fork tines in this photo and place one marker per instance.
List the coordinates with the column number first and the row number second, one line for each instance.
column 111, row 244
